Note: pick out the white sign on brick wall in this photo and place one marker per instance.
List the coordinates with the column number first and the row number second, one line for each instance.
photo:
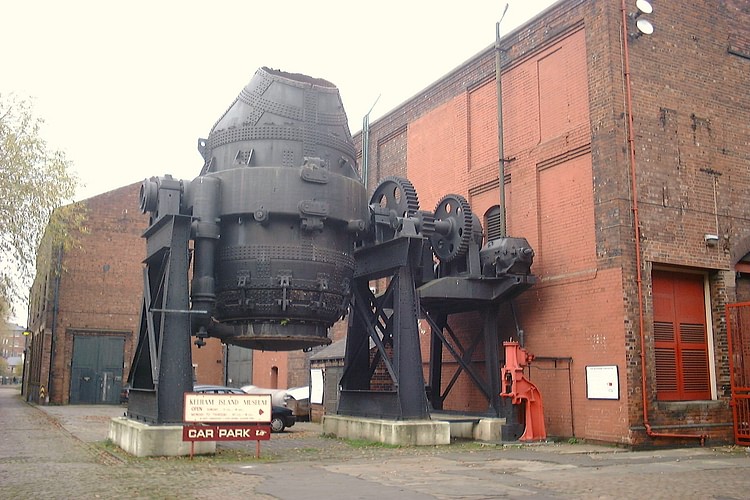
column 602, row 382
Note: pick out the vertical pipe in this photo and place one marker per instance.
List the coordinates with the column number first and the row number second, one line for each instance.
column 366, row 144
column 636, row 222
column 53, row 331
column 500, row 145
column 205, row 192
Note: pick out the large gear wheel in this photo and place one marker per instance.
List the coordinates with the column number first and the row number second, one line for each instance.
column 396, row 194
column 454, row 228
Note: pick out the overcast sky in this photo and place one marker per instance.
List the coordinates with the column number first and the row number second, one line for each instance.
column 127, row 88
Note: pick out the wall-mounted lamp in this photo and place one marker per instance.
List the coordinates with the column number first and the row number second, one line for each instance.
column 711, row 239
column 642, row 26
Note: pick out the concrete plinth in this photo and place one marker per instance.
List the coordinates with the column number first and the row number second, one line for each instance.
column 474, row 428
column 143, row 440
column 394, row 432
column 488, row 429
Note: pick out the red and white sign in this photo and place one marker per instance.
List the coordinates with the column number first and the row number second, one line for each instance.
column 215, row 408
column 226, row 432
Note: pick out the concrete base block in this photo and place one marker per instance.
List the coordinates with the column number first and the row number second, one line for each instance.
column 144, row 440
column 489, row 429
column 393, row 432
column 462, row 429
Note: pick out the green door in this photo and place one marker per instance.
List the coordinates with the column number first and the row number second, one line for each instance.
column 96, row 372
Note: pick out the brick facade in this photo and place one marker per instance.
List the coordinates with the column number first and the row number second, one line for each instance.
column 568, row 191
column 98, row 294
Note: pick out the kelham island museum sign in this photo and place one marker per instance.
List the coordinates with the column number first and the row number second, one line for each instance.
column 227, row 417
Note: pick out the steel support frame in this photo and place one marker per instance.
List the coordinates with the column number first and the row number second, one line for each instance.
column 162, row 366
column 490, row 385
column 389, row 323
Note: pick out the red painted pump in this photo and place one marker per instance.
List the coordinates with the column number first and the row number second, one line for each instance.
column 523, row 392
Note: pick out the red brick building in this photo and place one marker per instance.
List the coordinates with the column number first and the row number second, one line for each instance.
column 84, row 308
column 605, row 302
column 569, row 192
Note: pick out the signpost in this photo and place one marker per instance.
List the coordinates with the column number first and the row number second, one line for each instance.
column 227, row 417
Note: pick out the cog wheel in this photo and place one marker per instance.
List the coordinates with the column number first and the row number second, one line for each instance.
column 453, row 241
column 426, row 223
column 396, row 194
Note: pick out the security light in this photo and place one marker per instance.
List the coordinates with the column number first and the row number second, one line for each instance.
column 644, row 26
column 643, row 7
column 711, row 239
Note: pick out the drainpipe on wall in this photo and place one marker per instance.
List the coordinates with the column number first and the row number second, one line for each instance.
column 636, row 222
column 55, row 307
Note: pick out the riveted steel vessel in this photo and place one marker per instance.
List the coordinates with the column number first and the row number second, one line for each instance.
column 276, row 209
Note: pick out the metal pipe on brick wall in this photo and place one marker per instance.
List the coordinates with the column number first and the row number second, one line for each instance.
column 636, row 222
column 500, row 145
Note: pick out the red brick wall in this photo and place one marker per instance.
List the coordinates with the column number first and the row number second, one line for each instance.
column 208, row 362
column 101, row 286
column 436, row 152
column 101, row 289
column 568, row 188
column 263, row 368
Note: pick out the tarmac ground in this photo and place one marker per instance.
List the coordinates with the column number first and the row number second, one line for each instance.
column 62, row 452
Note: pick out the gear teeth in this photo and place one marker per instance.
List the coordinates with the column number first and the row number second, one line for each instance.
column 450, row 247
column 406, row 203
column 426, row 223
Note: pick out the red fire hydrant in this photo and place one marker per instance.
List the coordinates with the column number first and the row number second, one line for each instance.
column 523, row 392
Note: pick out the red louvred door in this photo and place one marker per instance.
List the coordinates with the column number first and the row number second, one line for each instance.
column 680, row 341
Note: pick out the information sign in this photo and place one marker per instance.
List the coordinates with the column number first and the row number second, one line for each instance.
column 224, row 408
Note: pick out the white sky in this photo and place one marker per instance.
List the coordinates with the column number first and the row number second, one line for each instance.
column 127, row 88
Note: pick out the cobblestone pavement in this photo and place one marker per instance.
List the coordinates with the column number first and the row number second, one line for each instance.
column 61, row 452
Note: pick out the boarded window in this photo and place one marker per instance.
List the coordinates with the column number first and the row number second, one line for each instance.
column 680, row 341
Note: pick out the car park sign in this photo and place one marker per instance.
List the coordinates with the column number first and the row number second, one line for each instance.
column 205, row 432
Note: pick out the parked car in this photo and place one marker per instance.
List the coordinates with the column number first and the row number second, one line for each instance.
column 281, row 417
column 299, row 402
column 279, row 397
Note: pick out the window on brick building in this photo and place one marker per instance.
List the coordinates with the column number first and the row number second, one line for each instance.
column 680, row 337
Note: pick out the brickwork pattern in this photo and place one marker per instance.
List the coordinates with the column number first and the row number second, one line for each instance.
column 568, row 186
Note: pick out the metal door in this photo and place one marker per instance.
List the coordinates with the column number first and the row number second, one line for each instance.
column 239, row 369
column 331, row 378
column 96, row 371
column 738, row 333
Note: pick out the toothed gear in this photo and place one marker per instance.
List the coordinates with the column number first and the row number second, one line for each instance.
column 426, row 223
column 397, row 194
column 455, row 208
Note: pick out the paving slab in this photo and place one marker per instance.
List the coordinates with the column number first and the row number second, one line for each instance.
column 60, row 452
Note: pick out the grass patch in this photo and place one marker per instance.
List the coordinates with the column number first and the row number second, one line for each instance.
column 364, row 443
column 222, row 455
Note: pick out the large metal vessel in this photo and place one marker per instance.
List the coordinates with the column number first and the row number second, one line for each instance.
column 275, row 212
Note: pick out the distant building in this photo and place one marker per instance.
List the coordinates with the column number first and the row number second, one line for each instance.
column 12, row 344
